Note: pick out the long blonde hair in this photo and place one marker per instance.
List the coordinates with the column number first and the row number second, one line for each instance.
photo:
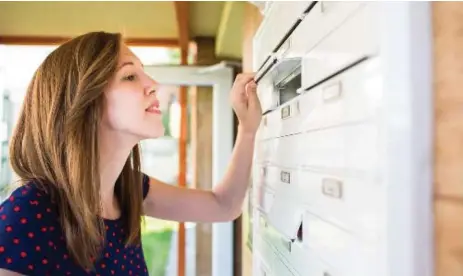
column 55, row 142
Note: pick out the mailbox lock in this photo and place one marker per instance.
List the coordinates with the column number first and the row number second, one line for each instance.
column 285, row 112
column 285, row 177
column 332, row 188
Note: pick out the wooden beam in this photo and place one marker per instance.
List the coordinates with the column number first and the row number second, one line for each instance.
column 182, row 15
column 56, row 40
column 182, row 175
column 152, row 42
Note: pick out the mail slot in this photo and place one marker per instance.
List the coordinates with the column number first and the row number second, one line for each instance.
column 287, row 79
column 279, row 82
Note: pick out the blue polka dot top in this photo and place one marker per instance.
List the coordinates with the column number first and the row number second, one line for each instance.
column 32, row 242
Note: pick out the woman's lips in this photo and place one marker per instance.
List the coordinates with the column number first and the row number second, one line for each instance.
column 153, row 109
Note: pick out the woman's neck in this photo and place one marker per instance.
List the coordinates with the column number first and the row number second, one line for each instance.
column 114, row 152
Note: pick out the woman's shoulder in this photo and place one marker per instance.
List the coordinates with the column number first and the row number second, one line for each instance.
column 28, row 207
column 29, row 230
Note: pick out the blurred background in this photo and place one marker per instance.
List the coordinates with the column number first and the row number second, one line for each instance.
column 164, row 33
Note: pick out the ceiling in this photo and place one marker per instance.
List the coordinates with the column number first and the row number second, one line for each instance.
column 135, row 20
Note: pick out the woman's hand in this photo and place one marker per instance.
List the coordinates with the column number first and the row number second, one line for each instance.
column 245, row 103
column 224, row 202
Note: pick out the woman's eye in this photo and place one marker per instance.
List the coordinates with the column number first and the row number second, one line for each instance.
column 129, row 78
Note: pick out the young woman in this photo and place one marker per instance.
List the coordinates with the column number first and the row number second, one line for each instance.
column 75, row 149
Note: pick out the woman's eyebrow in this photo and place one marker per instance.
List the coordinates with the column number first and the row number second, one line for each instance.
column 128, row 63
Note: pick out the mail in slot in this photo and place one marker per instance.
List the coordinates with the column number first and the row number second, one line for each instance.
column 285, row 177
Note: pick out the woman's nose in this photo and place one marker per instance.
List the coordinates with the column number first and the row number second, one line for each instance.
column 150, row 86
column 150, row 90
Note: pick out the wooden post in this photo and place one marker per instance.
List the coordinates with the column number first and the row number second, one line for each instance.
column 448, row 137
column 203, row 97
column 182, row 14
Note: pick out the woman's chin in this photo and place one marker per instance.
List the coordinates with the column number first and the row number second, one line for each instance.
column 153, row 133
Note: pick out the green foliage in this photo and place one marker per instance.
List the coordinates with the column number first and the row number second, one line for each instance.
column 166, row 121
column 156, row 247
column 174, row 54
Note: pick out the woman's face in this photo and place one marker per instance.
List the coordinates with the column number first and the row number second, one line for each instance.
column 131, row 107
